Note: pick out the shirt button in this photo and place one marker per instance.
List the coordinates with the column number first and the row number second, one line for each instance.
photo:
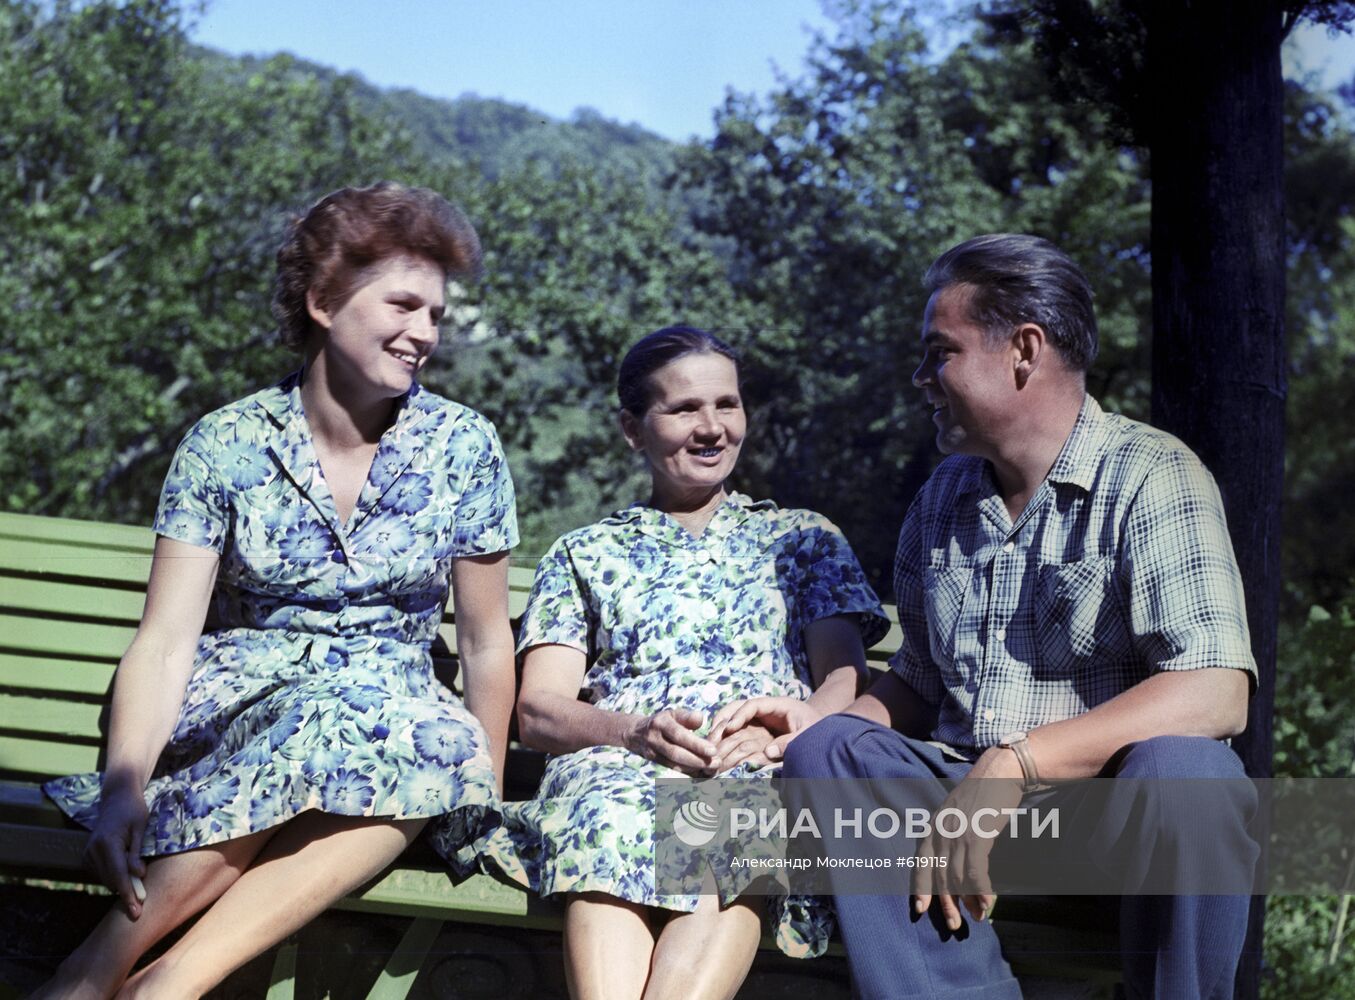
column 338, row 556
column 1002, row 635
column 1009, row 547
column 988, row 715
column 710, row 609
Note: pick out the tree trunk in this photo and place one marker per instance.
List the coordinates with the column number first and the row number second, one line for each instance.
column 1217, row 157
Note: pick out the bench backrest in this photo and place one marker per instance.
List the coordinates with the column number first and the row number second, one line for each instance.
column 71, row 594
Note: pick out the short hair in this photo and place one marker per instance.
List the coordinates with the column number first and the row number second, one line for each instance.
column 1016, row 278
column 654, row 351
column 333, row 246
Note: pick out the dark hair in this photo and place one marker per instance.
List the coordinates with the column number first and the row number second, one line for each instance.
column 351, row 230
column 652, row 352
column 1018, row 279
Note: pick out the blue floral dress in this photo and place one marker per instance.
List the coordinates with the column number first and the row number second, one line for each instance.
column 667, row 619
column 313, row 687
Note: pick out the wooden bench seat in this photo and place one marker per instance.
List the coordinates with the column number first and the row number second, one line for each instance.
column 71, row 593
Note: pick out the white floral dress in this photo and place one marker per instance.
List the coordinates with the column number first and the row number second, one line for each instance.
column 313, row 687
column 667, row 619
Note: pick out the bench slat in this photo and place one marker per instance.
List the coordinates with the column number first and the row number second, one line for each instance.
column 77, row 639
column 420, row 892
column 73, row 599
column 43, row 759
column 49, row 717
column 72, row 531
column 26, row 672
column 25, row 555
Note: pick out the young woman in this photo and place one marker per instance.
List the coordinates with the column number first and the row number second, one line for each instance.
column 698, row 602
column 281, row 759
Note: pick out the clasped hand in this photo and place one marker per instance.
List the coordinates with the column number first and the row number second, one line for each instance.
column 754, row 731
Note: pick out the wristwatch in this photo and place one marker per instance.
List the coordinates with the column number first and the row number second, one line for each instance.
column 1019, row 744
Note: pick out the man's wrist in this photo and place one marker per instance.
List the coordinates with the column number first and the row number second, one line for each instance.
column 1018, row 743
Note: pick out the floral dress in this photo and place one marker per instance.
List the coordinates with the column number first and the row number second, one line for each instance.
column 313, row 687
column 667, row 619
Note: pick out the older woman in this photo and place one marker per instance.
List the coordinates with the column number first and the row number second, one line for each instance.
column 698, row 601
column 283, row 758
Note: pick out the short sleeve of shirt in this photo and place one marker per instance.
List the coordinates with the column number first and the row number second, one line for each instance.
column 913, row 662
column 486, row 514
column 556, row 611
column 835, row 584
column 1185, row 595
column 193, row 507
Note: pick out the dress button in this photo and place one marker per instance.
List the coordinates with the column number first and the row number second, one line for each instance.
column 710, row 609
column 1002, row 635
column 1010, row 546
column 338, row 556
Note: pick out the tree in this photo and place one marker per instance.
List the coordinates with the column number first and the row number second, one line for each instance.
column 830, row 199
column 137, row 227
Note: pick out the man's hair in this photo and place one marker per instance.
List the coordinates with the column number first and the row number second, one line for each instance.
column 1015, row 278
column 334, row 247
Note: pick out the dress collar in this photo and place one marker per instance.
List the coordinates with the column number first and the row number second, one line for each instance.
column 733, row 512
column 293, row 448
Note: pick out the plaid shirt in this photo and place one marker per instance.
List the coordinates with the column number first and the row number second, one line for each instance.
column 1119, row 567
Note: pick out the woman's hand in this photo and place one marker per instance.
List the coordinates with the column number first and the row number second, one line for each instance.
column 114, row 846
column 669, row 737
column 746, row 745
column 785, row 717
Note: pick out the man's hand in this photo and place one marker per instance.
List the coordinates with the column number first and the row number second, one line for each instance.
column 668, row 737
column 994, row 784
column 780, row 716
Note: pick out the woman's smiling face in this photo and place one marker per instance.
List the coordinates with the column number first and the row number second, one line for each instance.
column 693, row 429
column 385, row 331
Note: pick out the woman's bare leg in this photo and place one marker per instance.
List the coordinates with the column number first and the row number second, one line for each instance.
column 311, row 862
column 177, row 886
column 608, row 943
column 705, row 954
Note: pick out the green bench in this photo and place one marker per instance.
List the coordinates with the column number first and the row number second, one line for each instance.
column 71, row 594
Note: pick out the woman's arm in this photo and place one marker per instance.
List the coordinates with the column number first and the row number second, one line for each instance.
column 551, row 717
column 837, row 664
column 484, row 645
column 148, row 691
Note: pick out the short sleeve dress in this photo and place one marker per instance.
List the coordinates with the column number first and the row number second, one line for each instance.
column 313, row 687
column 668, row 619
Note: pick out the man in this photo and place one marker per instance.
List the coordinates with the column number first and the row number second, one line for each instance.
column 1070, row 607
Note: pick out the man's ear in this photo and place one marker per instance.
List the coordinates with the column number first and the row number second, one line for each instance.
column 1029, row 346
column 317, row 310
column 630, row 427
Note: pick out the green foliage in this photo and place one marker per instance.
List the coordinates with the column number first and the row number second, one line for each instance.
column 832, row 197
column 1314, row 737
column 578, row 266
column 137, row 226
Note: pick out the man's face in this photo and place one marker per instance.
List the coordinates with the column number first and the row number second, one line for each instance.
column 969, row 381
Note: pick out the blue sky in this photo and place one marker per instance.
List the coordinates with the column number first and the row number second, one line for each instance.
column 665, row 64
column 662, row 63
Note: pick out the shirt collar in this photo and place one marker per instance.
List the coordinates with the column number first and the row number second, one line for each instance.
column 1080, row 456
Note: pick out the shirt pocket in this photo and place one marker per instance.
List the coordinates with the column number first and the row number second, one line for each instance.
column 945, row 589
column 1078, row 618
